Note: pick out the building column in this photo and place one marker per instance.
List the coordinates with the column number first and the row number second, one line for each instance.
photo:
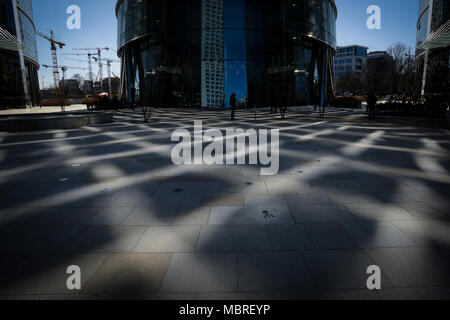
column 427, row 51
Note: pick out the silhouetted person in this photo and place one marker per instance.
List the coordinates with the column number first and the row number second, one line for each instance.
column 272, row 102
column 277, row 102
column 314, row 98
column 233, row 104
column 371, row 105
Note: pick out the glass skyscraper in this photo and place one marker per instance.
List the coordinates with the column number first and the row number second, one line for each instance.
column 433, row 46
column 196, row 53
column 19, row 84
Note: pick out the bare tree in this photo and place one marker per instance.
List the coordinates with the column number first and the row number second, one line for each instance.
column 402, row 73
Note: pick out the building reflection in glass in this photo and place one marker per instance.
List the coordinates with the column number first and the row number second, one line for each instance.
column 196, row 53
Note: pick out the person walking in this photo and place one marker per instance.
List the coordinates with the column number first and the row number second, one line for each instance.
column 371, row 105
column 233, row 104
column 314, row 97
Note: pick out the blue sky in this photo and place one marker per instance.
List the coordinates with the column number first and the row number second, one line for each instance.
column 99, row 27
column 398, row 23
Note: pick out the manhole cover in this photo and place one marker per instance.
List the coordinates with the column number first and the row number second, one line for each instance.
column 249, row 183
column 178, row 190
column 106, row 190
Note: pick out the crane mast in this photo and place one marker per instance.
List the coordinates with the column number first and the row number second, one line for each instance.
column 100, row 66
column 53, row 48
column 108, row 65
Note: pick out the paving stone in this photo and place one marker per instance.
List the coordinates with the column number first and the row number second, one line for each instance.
column 192, row 216
column 308, row 199
column 233, row 239
column 257, row 200
column 223, row 200
column 272, row 272
column 52, row 217
column 354, row 198
column 279, row 186
column 289, row 237
column 197, row 273
column 47, row 274
column 130, row 273
column 320, row 213
column 110, row 216
column 150, row 216
column 142, row 200
column 379, row 212
column 169, row 239
column 292, row 296
column 442, row 206
column 423, row 211
column 250, row 215
column 399, row 197
column 414, row 267
column 340, row 269
column 34, row 239
column 426, row 233
column 107, row 201
column 184, row 193
column 377, row 235
column 361, row 186
column 319, row 186
column 329, row 236
column 105, row 239
column 417, row 294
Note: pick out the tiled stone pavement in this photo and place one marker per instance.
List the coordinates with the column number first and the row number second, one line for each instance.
column 350, row 194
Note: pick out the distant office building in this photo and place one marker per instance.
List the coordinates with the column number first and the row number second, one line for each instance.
column 196, row 53
column 70, row 87
column 433, row 46
column 382, row 61
column 213, row 73
column 115, row 85
column 88, row 87
column 19, row 84
column 349, row 59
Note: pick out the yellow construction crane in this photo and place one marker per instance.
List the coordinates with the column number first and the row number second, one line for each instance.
column 53, row 47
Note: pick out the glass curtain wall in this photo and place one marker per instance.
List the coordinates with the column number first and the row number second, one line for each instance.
column 196, row 53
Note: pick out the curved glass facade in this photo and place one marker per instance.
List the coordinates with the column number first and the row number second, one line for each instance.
column 19, row 73
column 423, row 24
column 198, row 52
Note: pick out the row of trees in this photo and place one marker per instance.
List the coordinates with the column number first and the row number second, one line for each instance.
column 395, row 75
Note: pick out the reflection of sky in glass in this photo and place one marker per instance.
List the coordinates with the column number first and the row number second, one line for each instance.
column 235, row 49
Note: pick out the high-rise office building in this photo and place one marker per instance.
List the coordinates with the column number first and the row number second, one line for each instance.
column 433, row 46
column 196, row 53
column 349, row 59
column 213, row 80
column 19, row 83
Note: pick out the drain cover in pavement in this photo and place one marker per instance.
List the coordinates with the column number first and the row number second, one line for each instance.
column 178, row 190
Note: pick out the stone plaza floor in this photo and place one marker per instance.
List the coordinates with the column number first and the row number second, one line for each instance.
column 349, row 194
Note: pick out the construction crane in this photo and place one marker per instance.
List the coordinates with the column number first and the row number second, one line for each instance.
column 90, row 56
column 99, row 54
column 64, row 69
column 53, row 47
column 108, row 65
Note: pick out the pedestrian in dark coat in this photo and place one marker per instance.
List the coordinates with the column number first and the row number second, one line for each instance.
column 233, row 104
